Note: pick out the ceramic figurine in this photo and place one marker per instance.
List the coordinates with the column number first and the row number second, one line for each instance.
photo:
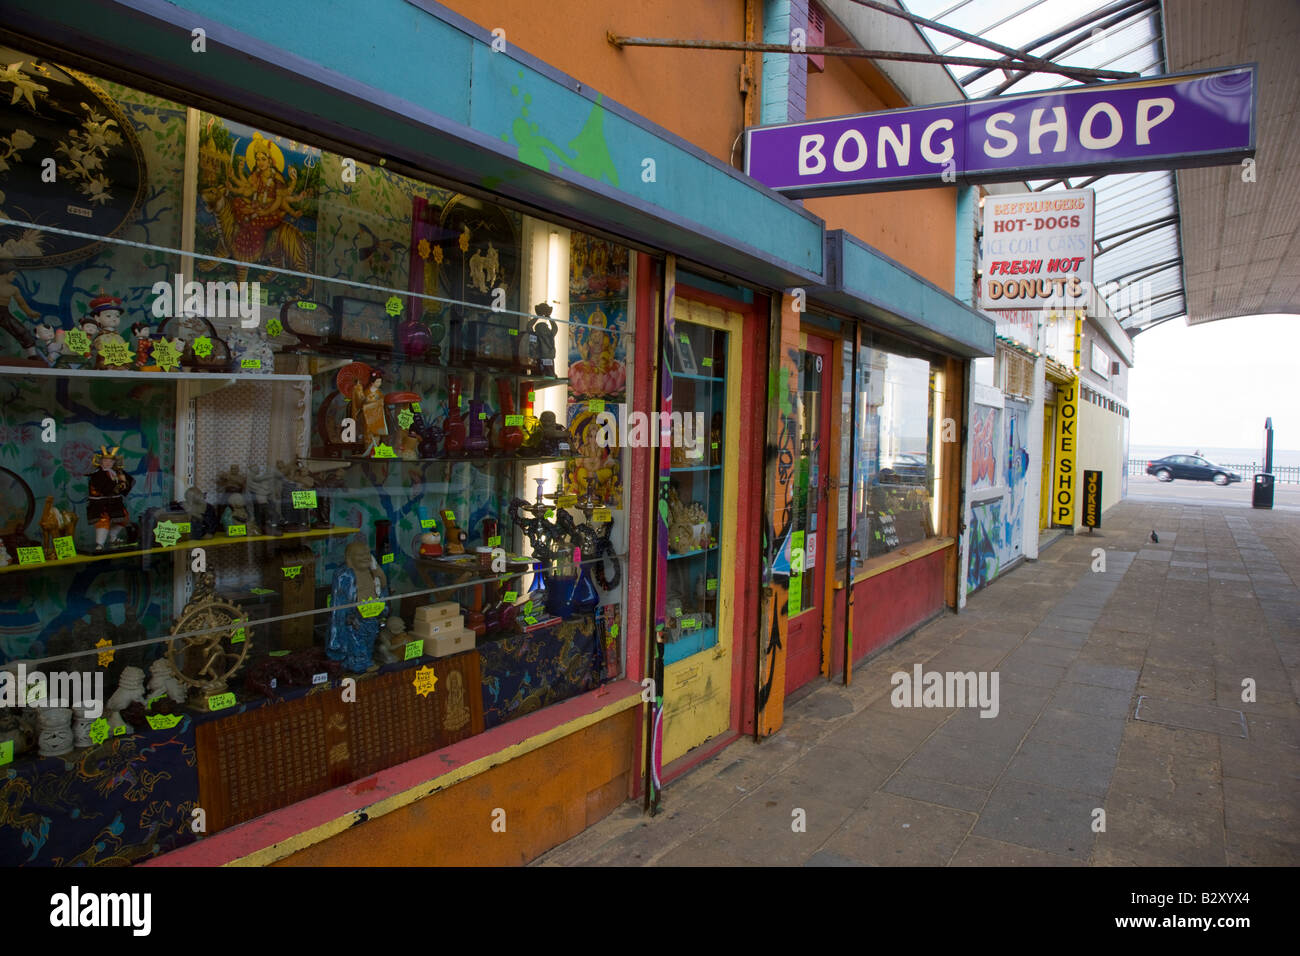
column 391, row 646
column 545, row 329
column 455, row 538
column 140, row 336
column 51, row 342
column 162, row 680
column 352, row 635
column 55, row 523
column 203, row 516
column 55, row 725
column 549, row 439
column 117, row 724
column 106, row 505
column 81, row 724
column 430, row 544
column 263, row 491
column 367, row 409
column 129, row 690
column 107, row 310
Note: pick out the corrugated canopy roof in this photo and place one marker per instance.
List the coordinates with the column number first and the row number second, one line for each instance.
column 1145, row 246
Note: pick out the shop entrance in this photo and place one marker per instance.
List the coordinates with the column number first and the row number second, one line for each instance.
column 805, row 555
column 705, row 357
column 1049, row 463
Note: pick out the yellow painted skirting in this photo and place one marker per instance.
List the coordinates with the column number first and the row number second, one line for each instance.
column 318, row 834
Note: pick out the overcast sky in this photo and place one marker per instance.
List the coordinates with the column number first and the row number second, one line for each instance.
column 1213, row 385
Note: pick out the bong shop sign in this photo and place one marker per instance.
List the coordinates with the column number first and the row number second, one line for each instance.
column 1037, row 250
column 1168, row 122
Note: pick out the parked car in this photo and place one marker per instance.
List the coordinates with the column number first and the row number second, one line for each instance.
column 1192, row 468
column 908, row 469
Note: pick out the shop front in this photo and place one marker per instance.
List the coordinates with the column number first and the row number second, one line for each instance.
column 352, row 498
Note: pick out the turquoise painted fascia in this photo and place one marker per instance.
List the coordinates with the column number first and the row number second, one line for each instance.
column 966, row 255
column 420, row 85
column 867, row 283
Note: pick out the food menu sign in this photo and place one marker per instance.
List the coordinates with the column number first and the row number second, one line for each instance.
column 1037, row 250
column 1168, row 122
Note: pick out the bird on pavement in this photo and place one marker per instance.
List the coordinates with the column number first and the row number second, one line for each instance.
column 1155, row 539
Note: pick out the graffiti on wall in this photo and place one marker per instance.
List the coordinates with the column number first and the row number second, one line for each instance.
column 983, row 460
column 997, row 527
column 985, row 534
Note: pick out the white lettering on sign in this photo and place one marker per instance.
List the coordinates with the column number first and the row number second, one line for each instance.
column 810, row 147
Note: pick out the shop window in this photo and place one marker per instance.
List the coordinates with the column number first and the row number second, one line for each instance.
column 897, row 435
column 272, row 418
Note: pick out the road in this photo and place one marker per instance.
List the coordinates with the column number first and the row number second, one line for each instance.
column 1146, row 488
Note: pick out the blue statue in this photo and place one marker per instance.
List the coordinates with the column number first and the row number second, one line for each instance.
column 352, row 634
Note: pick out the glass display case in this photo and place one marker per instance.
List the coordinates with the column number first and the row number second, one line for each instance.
column 309, row 468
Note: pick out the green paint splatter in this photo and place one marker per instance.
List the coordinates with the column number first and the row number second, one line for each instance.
column 588, row 153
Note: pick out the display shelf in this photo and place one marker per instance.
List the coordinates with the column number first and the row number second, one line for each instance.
column 133, row 375
column 698, row 378
column 215, row 541
column 692, row 554
column 444, row 461
column 347, row 354
column 683, row 468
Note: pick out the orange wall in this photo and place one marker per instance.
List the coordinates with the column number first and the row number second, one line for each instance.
column 693, row 93
column 915, row 226
column 549, row 795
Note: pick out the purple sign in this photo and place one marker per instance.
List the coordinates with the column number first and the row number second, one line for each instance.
column 1174, row 122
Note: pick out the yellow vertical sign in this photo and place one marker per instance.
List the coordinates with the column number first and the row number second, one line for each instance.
column 1078, row 338
column 1067, row 425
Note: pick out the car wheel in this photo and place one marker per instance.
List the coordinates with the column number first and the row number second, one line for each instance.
column 1220, row 479
column 1164, row 474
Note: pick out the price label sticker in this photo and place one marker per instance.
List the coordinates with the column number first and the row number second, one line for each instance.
column 550, row 514
column 566, row 501
column 393, row 306
column 99, row 731
column 707, row 362
column 237, row 636
column 494, row 541
column 304, row 499
column 250, row 363
column 260, row 591
column 406, row 418
column 562, row 446
column 514, row 421
column 279, row 653
column 613, row 630
column 31, row 556
column 415, row 406
column 510, row 597
column 163, row 721
column 684, row 339
column 184, row 526
column 450, row 516
column 65, row 548
column 148, row 704
column 689, row 624
column 387, row 559
column 532, row 397
column 711, row 584
column 796, row 595
column 371, row 608
column 602, row 514
column 384, row 451
column 119, row 731
column 514, row 331
column 274, row 328
column 6, row 752
column 308, row 306
column 166, row 533
column 237, row 531
column 427, row 523
column 529, row 620
column 596, row 406
column 221, row 701
column 77, row 342
column 414, row 649
column 322, row 678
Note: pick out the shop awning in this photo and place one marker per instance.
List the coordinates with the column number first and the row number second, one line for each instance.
column 865, row 282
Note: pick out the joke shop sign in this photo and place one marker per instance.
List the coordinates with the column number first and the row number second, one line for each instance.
column 1170, row 122
column 1037, row 250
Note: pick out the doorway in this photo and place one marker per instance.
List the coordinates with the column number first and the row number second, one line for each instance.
column 805, row 555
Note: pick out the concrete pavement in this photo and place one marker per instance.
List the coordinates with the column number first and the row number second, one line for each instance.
column 1120, row 693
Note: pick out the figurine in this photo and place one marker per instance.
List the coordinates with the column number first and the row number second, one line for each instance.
column 368, row 411
column 106, row 310
column 391, row 646
column 545, row 329
column 430, row 544
column 52, row 340
column 106, row 506
column 130, row 688
column 455, row 537
column 162, row 680
column 549, row 439
column 55, row 523
column 430, row 436
column 56, row 731
column 203, row 516
column 251, row 351
column 82, row 721
column 352, row 634
column 264, row 490
column 9, row 295
column 231, row 484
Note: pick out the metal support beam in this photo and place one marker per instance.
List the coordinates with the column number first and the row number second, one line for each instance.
column 1131, row 233
column 1073, row 72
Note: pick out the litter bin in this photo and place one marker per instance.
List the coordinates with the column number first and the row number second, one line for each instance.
column 1263, row 496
